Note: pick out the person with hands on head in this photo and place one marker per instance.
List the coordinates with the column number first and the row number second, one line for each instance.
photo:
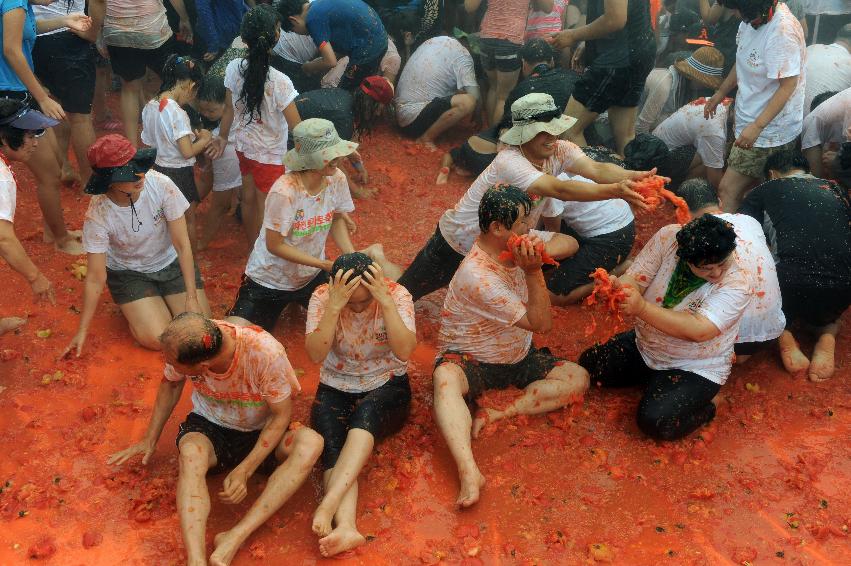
column 491, row 311
column 532, row 162
column 361, row 327
column 137, row 244
column 20, row 129
column 769, row 74
column 687, row 291
column 241, row 412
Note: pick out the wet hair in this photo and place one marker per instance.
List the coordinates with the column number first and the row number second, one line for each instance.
column 697, row 193
column 537, row 51
column 358, row 262
column 11, row 136
column 258, row 30
column 706, row 240
column 287, row 8
column 818, row 99
column 645, row 152
column 364, row 108
column 195, row 338
column 750, row 9
column 500, row 204
column 180, row 68
column 785, row 161
column 212, row 90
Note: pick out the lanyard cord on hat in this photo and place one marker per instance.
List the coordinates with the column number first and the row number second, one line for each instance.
column 134, row 215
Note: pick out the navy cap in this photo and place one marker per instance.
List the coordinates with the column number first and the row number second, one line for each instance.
column 29, row 119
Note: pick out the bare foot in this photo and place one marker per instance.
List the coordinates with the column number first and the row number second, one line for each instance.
column 621, row 268
column 443, row 176
column 483, row 418
column 822, row 366
column 793, row 358
column 70, row 245
column 471, row 485
column 225, row 547
column 11, row 323
column 322, row 521
column 48, row 238
column 69, row 176
column 361, row 192
column 375, row 251
column 340, row 540
column 428, row 144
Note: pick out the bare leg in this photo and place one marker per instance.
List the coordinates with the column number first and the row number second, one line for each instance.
column 131, row 108
column 249, row 209
column 218, row 209
column 345, row 535
column 193, row 498
column 177, row 303
column 563, row 385
column 455, row 422
column 11, row 323
column 584, row 118
column 147, row 319
column 344, row 474
column 238, row 321
column 445, row 168
column 732, row 189
column 504, row 83
column 190, row 226
column 62, row 131
column 391, row 270
column 490, row 95
column 622, row 119
column 82, row 137
column 462, row 106
column 823, row 364
column 561, row 246
column 793, row 358
column 305, row 446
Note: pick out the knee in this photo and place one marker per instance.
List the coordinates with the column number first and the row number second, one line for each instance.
column 574, row 374
column 194, row 453
column 446, row 382
column 307, row 445
column 464, row 103
column 148, row 339
column 657, row 422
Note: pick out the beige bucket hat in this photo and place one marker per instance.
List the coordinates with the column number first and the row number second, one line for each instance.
column 532, row 114
column 317, row 143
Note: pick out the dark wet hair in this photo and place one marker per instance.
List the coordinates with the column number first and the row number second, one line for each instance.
column 645, row 152
column 819, row 98
column 258, row 30
column 697, row 193
column 785, row 161
column 11, row 136
column 212, row 90
column 750, row 9
column 197, row 338
column 287, row 8
column 500, row 204
column 358, row 262
column 180, row 68
column 706, row 240
column 537, row 51
column 363, row 113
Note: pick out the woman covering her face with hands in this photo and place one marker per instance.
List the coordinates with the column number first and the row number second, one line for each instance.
column 361, row 327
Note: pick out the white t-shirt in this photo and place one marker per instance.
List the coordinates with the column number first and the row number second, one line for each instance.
column 440, row 67
column 8, row 192
column 304, row 221
column 830, row 122
column 239, row 398
column 484, row 301
column 360, row 359
column 163, row 123
column 687, row 126
column 763, row 56
column 763, row 319
column 460, row 225
column 589, row 219
column 141, row 24
column 58, row 9
column 295, row 47
column 723, row 304
column 828, row 70
column 264, row 139
column 146, row 249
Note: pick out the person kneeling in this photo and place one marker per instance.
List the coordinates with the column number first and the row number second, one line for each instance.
column 361, row 326
column 241, row 409
column 688, row 293
column 491, row 311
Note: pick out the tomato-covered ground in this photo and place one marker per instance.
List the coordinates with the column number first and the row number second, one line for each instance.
column 766, row 483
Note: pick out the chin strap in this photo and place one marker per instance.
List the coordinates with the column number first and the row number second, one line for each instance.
column 135, row 223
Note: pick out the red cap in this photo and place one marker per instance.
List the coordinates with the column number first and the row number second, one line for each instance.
column 113, row 150
column 378, row 88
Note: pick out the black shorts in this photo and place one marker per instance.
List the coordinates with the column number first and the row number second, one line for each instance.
column 130, row 63
column 471, row 160
column 263, row 306
column 184, row 178
column 231, row 446
column 432, row 269
column 65, row 64
column 482, row 376
column 127, row 286
column 301, row 80
column 605, row 250
column 600, row 88
column 427, row 116
column 500, row 55
column 380, row 412
column 355, row 73
column 813, row 305
column 750, row 348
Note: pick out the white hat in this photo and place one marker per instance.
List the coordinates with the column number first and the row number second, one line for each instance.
column 317, row 143
column 532, row 114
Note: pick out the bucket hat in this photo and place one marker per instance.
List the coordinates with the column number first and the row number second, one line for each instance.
column 114, row 160
column 532, row 114
column 317, row 143
column 705, row 66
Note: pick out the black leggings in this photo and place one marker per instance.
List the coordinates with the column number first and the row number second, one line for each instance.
column 432, row 269
column 675, row 402
column 380, row 412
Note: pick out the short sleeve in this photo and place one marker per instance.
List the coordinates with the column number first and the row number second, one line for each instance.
column 514, row 169
column 711, row 151
column 783, row 54
column 147, row 136
column 565, row 156
column 9, row 5
column 649, row 260
column 404, row 305
column 174, row 203
column 277, row 379
column 175, row 122
column 316, row 308
column 465, row 71
column 552, row 207
column 318, row 27
column 724, row 306
column 658, row 87
column 171, row 374
column 285, row 92
column 95, row 232
column 231, row 72
column 280, row 210
column 7, row 197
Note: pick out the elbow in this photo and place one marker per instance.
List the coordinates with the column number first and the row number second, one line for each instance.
column 615, row 23
column 702, row 335
column 405, row 352
column 314, row 351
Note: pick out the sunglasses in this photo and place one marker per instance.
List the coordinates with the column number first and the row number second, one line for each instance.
column 35, row 133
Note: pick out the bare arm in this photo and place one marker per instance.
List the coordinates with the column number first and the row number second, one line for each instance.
column 612, row 20
column 13, row 33
column 538, row 317
column 606, row 172
column 97, row 9
column 189, row 148
column 276, row 246
column 778, row 100
column 292, row 116
column 549, row 186
column 180, row 240
column 323, row 64
column 13, row 253
column 710, row 13
column 340, row 235
column 545, row 6
column 678, row 324
column 217, row 146
column 92, row 289
column 470, row 6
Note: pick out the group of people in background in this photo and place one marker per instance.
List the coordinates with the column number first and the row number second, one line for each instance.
column 574, row 104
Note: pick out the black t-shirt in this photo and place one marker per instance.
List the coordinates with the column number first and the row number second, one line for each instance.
column 631, row 44
column 639, row 33
column 558, row 83
column 723, row 35
column 808, row 225
column 334, row 104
